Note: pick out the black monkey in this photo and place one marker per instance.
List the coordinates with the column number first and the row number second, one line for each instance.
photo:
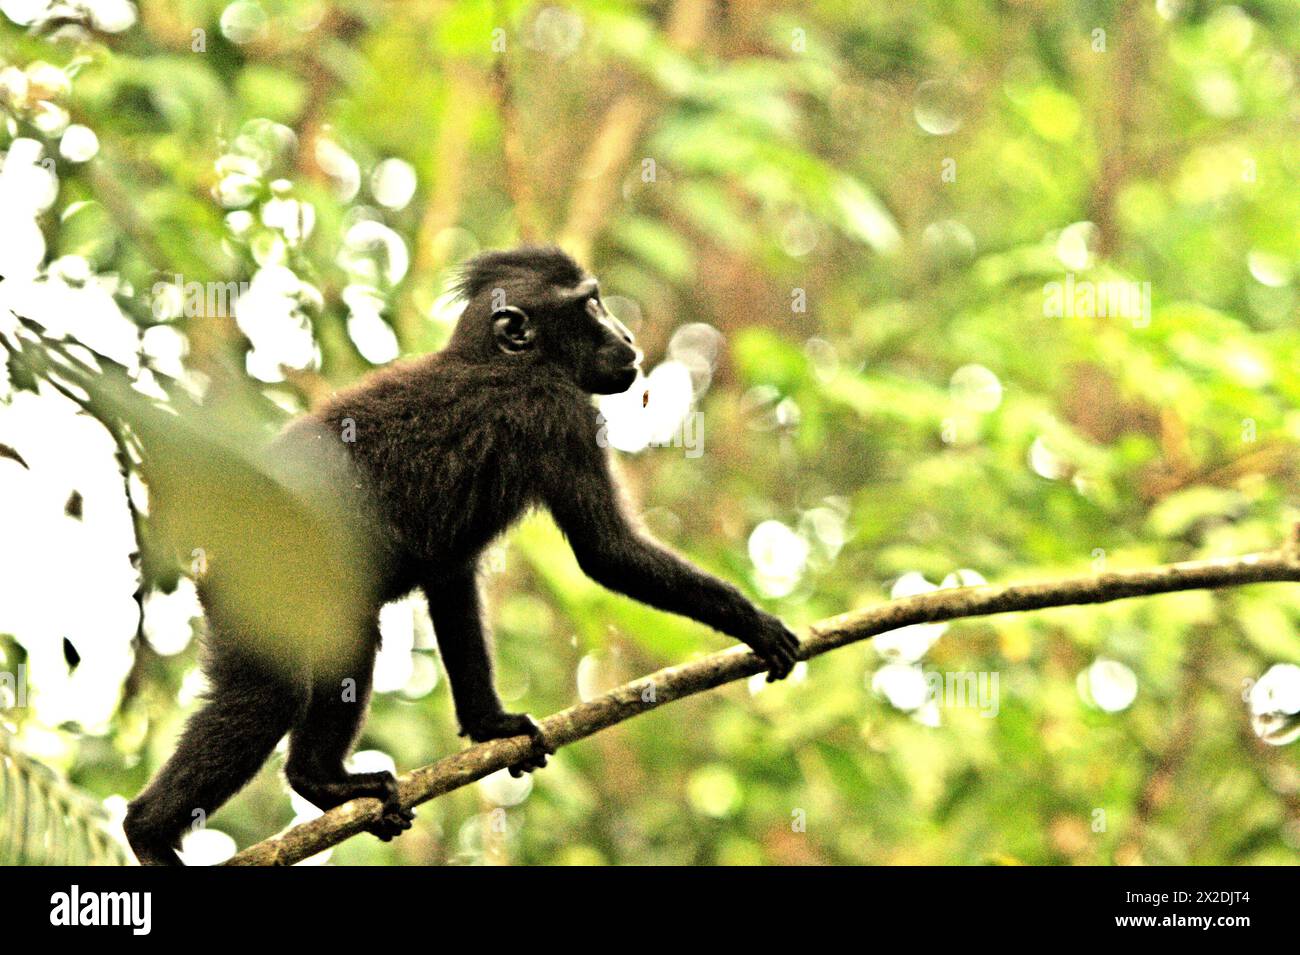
column 434, row 458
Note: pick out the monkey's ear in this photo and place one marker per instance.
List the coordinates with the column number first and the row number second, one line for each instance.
column 513, row 329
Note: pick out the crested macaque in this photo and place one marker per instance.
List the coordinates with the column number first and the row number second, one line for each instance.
column 431, row 460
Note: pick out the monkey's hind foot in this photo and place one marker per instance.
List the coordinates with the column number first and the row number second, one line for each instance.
column 506, row 725
column 395, row 818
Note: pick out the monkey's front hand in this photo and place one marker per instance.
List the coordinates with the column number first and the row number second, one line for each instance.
column 775, row 645
column 502, row 725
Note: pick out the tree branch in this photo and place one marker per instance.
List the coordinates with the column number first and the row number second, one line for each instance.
column 673, row 683
column 519, row 182
column 617, row 135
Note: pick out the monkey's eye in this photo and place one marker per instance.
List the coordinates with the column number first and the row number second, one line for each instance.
column 593, row 307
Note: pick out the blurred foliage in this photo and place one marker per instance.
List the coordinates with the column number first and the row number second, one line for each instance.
column 878, row 207
column 45, row 822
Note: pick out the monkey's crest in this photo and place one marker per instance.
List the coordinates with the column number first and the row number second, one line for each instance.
column 545, row 265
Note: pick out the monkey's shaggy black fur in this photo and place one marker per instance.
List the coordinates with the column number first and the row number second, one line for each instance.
column 432, row 459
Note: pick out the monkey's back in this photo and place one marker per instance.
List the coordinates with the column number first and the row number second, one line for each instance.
column 446, row 452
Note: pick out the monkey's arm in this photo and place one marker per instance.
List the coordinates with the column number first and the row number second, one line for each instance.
column 463, row 642
column 610, row 551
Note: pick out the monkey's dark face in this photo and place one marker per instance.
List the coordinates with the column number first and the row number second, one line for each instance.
column 572, row 329
column 609, row 363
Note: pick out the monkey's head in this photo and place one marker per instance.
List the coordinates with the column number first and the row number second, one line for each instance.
column 536, row 306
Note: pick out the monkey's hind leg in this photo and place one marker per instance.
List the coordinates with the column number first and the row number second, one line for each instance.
column 321, row 741
column 222, row 747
